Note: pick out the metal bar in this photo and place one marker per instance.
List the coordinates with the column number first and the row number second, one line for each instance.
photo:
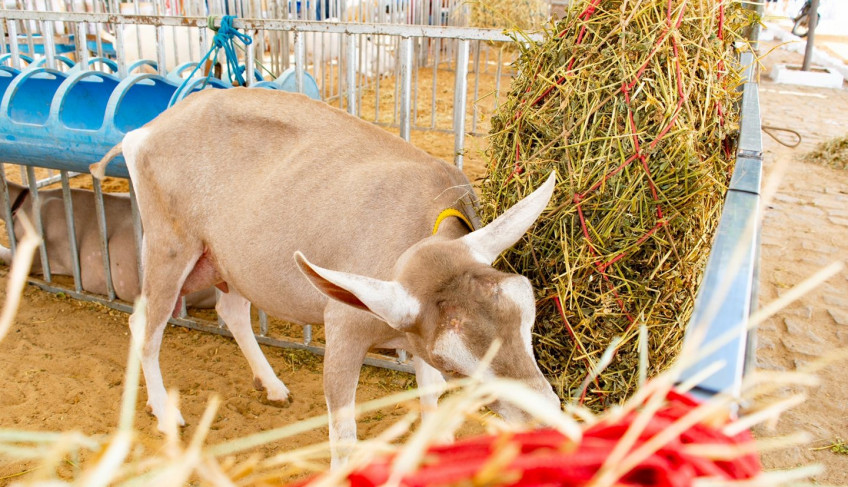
column 82, row 34
column 7, row 211
column 100, row 213
column 53, row 179
column 28, row 28
column 498, row 78
column 476, row 86
column 39, row 226
column 728, row 291
column 263, row 323
column 160, row 51
column 459, row 99
column 351, row 73
column 13, row 43
column 307, row 334
column 49, row 45
column 398, row 30
column 2, row 36
column 812, row 19
column 299, row 60
column 120, row 52
column 72, row 233
column 377, row 81
column 360, row 76
column 250, row 64
column 416, row 57
column 405, row 86
column 437, row 47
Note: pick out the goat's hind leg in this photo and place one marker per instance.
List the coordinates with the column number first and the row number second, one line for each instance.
column 167, row 262
column 235, row 311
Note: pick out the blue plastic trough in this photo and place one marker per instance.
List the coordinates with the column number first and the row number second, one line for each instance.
column 67, row 120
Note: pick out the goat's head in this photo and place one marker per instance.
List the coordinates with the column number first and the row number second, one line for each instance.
column 451, row 304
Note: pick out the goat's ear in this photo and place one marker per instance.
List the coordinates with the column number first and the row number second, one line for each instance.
column 387, row 300
column 502, row 233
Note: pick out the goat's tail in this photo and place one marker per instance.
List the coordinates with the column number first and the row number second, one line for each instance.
column 98, row 169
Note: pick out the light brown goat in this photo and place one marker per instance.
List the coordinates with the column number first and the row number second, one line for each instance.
column 274, row 174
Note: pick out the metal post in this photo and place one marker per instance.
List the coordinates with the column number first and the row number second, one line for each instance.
column 476, row 87
column 263, row 323
column 250, row 64
column 437, row 46
column 39, row 226
column 72, row 233
column 813, row 15
column 299, row 60
column 13, row 44
column 82, row 33
column 307, row 334
column 459, row 98
column 49, row 45
column 2, row 36
column 351, row 73
column 405, row 85
column 120, row 52
column 160, row 51
column 104, row 242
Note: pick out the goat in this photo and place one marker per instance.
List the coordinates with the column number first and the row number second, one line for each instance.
column 122, row 248
column 290, row 176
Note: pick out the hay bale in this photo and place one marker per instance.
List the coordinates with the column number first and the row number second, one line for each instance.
column 633, row 216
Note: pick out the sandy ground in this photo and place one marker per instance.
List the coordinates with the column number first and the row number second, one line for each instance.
column 805, row 227
column 62, row 366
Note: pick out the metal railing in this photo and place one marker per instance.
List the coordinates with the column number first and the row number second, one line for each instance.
column 728, row 292
column 32, row 41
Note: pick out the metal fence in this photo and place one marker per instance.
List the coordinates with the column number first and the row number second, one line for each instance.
column 433, row 69
column 424, row 57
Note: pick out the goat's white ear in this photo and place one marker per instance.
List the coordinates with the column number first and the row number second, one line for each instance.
column 387, row 300
column 502, row 233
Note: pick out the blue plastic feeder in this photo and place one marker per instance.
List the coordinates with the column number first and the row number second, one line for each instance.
column 69, row 120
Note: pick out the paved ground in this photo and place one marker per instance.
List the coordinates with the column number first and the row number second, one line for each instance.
column 805, row 227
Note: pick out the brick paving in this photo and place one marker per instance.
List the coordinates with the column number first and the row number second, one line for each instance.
column 805, row 227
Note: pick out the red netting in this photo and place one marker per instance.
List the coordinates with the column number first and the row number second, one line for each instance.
column 546, row 457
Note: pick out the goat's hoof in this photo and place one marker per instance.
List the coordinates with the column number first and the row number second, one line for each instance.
column 257, row 384
column 281, row 403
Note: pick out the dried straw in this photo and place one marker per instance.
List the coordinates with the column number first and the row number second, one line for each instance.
column 831, row 153
column 631, row 102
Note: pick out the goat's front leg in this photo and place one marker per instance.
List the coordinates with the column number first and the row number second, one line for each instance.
column 343, row 358
column 428, row 377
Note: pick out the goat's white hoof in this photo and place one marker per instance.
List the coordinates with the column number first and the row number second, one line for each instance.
column 160, row 425
column 277, row 395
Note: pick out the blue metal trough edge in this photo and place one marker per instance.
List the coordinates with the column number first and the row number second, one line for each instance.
column 728, row 292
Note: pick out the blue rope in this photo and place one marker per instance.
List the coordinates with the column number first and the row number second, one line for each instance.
column 223, row 40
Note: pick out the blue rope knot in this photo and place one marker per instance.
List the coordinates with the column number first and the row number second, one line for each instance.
column 223, row 40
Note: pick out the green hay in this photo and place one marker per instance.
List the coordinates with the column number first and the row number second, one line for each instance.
column 580, row 128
